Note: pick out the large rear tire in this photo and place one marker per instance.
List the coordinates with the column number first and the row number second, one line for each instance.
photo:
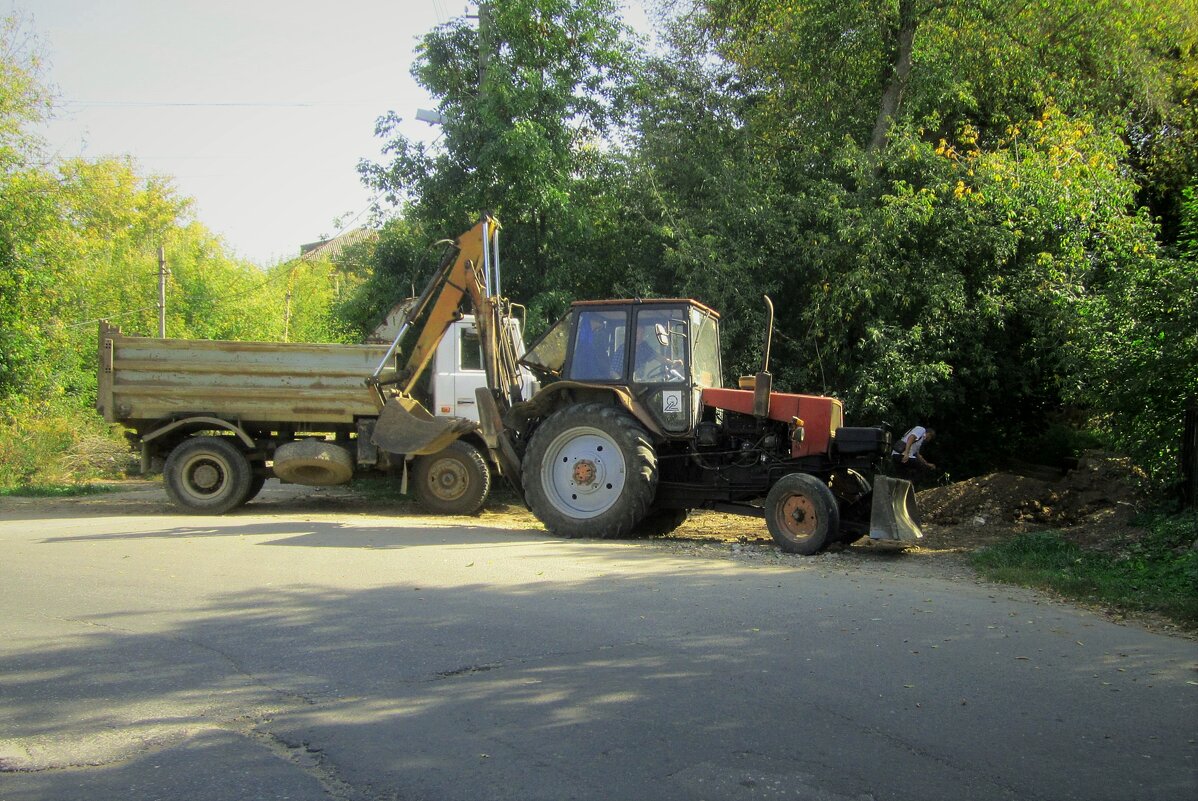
column 207, row 475
column 590, row 471
column 802, row 514
column 454, row 481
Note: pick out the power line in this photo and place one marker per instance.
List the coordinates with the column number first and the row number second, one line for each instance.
column 218, row 104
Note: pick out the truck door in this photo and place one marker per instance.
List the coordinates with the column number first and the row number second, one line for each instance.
column 459, row 371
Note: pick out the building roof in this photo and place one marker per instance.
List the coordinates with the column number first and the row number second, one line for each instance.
column 333, row 249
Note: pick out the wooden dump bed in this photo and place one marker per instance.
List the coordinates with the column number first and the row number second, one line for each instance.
column 144, row 380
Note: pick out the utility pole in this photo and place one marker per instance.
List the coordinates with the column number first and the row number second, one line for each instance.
column 484, row 44
column 162, row 274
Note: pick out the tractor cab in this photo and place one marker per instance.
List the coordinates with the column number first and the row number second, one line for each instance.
column 663, row 351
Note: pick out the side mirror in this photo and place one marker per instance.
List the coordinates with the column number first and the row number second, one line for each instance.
column 662, row 336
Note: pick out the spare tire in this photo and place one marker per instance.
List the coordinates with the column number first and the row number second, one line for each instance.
column 313, row 462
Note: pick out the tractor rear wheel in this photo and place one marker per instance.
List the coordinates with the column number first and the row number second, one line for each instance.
column 590, row 471
column 802, row 514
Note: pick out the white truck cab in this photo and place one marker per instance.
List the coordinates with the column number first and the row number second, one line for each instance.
column 457, row 370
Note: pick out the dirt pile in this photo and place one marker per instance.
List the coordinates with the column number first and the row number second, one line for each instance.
column 1092, row 504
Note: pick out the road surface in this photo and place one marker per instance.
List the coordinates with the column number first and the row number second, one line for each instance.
column 308, row 650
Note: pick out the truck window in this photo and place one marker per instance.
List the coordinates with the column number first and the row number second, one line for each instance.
column 706, row 350
column 470, row 350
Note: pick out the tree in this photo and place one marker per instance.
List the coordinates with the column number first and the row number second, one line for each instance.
column 529, row 105
column 930, row 221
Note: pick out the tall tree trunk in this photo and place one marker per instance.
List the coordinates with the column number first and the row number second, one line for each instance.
column 900, row 70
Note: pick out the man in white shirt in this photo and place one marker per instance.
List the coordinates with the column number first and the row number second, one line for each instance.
column 908, row 461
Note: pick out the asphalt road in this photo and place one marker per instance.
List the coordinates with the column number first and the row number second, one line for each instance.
column 311, row 652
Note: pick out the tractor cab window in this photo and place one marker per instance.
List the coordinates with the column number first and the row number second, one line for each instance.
column 706, row 350
column 661, row 345
column 599, row 345
column 548, row 355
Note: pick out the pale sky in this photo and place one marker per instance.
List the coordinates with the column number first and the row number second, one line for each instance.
column 259, row 109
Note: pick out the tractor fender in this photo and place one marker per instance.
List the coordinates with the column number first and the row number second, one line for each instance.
column 560, row 393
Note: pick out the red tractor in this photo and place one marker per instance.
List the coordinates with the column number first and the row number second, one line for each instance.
column 632, row 428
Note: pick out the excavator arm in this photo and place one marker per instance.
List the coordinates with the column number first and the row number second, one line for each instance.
column 467, row 279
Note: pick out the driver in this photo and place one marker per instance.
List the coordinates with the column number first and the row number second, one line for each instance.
column 653, row 362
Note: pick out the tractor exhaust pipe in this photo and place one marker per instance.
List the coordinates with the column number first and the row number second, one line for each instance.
column 763, row 384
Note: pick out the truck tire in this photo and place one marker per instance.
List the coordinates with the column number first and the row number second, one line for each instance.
column 207, row 475
column 257, row 481
column 454, row 481
column 590, row 471
column 314, row 463
column 801, row 514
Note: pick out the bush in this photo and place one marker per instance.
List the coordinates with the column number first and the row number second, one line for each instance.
column 44, row 444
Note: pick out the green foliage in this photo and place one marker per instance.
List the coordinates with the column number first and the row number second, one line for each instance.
column 54, row 444
column 1139, row 346
column 983, row 267
column 1157, row 573
column 526, row 141
column 57, row 490
column 24, row 99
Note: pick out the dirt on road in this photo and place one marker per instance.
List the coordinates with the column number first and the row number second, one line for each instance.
column 1093, row 504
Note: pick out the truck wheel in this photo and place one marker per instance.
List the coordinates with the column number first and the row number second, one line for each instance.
column 257, row 481
column 454, row 481
column 207, row 475
column 590, row 471
column 802, row 514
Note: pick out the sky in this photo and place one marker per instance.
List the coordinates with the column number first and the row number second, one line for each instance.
column 260, row 110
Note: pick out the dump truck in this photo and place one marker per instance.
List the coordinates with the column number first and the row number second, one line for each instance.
column 218, row 418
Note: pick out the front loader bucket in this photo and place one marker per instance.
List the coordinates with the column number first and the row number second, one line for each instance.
column 894, row 517
column 404, row 426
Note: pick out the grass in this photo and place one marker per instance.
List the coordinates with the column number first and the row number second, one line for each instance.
column 56, row 490
column 1154, row 573
column 382, row 489
column 53, row 449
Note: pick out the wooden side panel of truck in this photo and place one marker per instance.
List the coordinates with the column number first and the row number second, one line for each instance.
column 144, row 380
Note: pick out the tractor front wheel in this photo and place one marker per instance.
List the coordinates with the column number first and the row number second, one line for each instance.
column 802, row 514
column 590, row 471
